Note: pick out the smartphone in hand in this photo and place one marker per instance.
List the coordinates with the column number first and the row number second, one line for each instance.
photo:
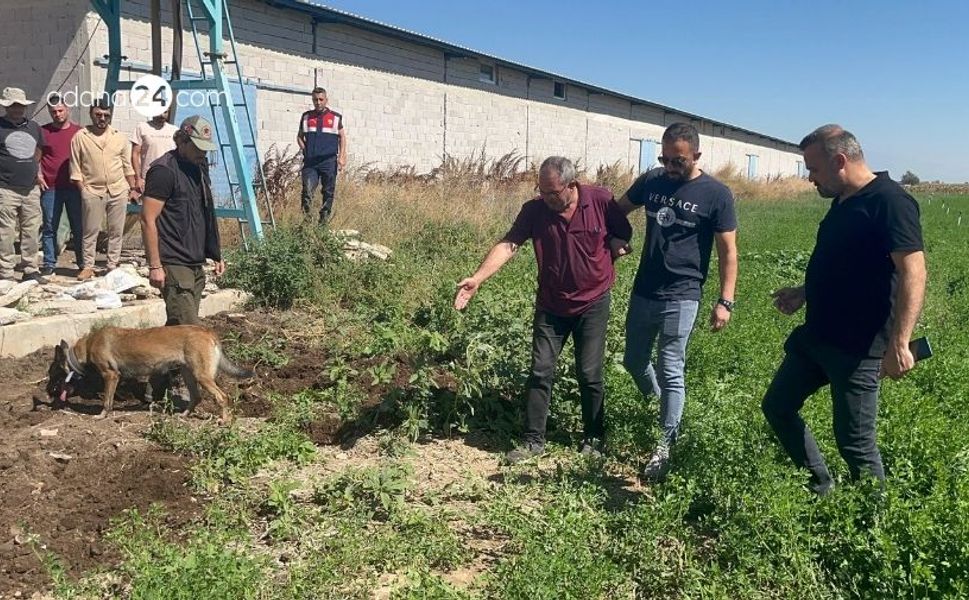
column 921, row 349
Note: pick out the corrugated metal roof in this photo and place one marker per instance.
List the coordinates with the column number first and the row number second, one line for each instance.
column 324, row 13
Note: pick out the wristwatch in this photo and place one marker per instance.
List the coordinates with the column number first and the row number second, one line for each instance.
column 728, row 304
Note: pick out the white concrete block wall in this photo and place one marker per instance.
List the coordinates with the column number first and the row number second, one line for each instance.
column 403, row 102
column 39, row 46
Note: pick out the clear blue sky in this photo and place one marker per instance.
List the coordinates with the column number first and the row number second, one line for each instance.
column 894, row 72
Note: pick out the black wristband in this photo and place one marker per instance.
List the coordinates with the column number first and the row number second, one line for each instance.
column 728, row 304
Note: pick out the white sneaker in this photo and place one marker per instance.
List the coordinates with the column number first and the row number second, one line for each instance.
column 658, row 464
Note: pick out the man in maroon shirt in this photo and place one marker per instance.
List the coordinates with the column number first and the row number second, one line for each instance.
column 57, row 190
column 577, row 230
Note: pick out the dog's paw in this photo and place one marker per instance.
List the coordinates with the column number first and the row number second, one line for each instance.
column 101, row 415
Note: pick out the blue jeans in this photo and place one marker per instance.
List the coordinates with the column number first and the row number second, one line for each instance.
column 669, row 322
column 52, row 203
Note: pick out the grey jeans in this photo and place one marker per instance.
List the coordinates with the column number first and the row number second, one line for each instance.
column 667, row 324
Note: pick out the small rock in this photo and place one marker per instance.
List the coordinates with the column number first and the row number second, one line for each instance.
column 128, row 297
column 341, row 456
column 12, row 315
column 236, row 316
column 14, row 294
column 144, row 291
column 61, row 457
column 48, row 432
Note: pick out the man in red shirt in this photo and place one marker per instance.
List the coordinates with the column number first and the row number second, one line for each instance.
column 57, row 190
column 577, row 231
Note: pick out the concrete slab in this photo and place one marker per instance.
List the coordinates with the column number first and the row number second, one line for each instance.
column 20, row 339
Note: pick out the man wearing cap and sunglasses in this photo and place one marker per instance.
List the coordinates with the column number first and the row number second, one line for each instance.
column 20, row 140
column 179, row 227
column 687, row 211
column 178, row 221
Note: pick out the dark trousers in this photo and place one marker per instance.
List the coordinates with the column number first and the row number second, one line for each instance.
column 808, row 365
column 53, row 202
column 312, row 176
column 549, row 334
column 182, row 293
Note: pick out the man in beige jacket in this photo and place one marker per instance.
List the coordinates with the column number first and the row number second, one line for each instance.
column 101, row 169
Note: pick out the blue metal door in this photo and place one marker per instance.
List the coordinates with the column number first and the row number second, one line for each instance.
column 647, row 155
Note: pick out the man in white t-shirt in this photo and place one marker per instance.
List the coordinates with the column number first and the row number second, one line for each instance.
column 150, row 140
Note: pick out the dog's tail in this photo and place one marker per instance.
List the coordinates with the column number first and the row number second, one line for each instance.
column 226, row 366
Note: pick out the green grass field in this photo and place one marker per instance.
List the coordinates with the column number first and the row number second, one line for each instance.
column 285, row 519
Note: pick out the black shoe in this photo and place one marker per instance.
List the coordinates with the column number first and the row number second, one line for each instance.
column 47, row 271
column 591, row 448
column 528, row 451
column 35, row 276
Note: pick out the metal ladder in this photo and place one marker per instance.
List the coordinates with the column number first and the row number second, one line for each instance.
column 247, row 189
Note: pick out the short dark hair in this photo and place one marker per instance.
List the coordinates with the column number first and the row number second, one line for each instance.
column 682, row 132
column 54, row 99
column 834, row 139
column 103, row 102
column 318, row 90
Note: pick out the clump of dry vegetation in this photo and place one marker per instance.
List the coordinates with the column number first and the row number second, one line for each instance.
column 483, row 192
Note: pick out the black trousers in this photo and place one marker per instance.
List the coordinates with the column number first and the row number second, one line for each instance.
column 808, row 365
column 549, row 334
column 323, row 173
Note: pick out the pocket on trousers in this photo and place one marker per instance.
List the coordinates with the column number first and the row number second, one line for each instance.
column 182, row 279
column 678, row 322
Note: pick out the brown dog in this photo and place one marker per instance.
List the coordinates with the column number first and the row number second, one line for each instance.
column 114, row 352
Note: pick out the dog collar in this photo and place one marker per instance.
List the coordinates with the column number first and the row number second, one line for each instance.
column 73, row 364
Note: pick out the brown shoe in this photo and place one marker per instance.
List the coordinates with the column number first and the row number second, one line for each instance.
column 85, row 274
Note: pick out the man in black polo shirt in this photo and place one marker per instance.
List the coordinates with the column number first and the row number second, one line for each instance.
column 323, row 140
column 863, row 288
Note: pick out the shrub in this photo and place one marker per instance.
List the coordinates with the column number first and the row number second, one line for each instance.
column 283, row 267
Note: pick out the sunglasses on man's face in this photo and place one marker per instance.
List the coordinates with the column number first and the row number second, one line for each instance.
column 676, row 161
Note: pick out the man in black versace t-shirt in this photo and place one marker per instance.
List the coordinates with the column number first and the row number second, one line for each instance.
column 688, row 212
column 863, row 288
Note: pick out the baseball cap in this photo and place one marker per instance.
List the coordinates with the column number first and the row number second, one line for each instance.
column 200, row 130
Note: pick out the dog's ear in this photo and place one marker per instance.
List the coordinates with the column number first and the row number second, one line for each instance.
column 60, row 350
